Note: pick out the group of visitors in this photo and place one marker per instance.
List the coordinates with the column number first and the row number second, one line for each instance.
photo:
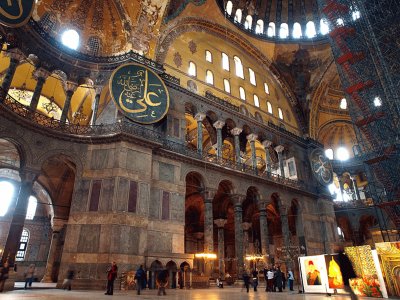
column 276, row 279
column 29, row 274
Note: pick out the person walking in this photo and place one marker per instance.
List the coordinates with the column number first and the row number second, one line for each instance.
column 278, row 279
column 111, row 276
column 162, row 282
column 139, row 276
column 270, row 280
column 246, row 280
column 68, row 281
column 255, row 280
column 290, row 279
column 29, row 275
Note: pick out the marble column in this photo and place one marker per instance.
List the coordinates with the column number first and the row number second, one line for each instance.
column 221, row 246
column 218, row 125
column 70, row 88
column 40, row 75
column 252, row 140
column 341, row 186
column 264, row 234
column 18, row 219
column 199, row 117
column 355, row 188
column 96, row 105
column 15, row 57
column 285, row 225
column 279, row 149
column 236, row 132
column 57, row 226
column 239, row 235
column 266, row 145
column 200, row 264
column 208, row 221
column 246, row 227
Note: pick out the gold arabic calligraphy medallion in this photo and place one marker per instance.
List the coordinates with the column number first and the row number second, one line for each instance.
column 139, row 93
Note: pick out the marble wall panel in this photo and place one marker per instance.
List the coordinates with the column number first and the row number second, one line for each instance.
column 89, row 238
column 139, row 162
column 177, row 207
column 155, row 203
column 72, row 238
column 143, row 199
column 105, row 238
column 99, row 159
column 120, row 203
column 107, row 195
column 166, row 172
column 80, row 196
column 159, row 241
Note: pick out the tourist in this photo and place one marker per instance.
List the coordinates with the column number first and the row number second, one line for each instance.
column 255, row 280
column 246, row 280
column 220, row 283
column 4, row 275
column 139, row 276
column 162, row 282
column 68, row 281
column 270, row 280
column 111, row 276
column 278, row 279
column 29, row 274
column 290, row 277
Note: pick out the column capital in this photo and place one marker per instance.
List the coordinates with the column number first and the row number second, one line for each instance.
column 209, row 194
column 199, row 117
column 267, row 143
column 40, row 73
column 219, row 124
column 246, row 225
column 15, row 54
column 252, row 137
column 279, row 148
column 238, row 199
column 58, row 224
column 220, row 222
column 236, row 131
column 29, row 175
column 98, row 89
column 70, row 86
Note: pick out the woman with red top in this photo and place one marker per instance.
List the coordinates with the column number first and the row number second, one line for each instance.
column 111, row 276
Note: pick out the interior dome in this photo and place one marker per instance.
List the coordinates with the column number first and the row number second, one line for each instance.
column 105, row 27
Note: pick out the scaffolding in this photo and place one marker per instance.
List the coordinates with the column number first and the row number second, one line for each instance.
column 364, row 38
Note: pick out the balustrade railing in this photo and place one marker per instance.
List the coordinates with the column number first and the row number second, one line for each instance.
column 128, row 128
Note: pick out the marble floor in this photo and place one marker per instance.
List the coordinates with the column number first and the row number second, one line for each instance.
column 198, row 294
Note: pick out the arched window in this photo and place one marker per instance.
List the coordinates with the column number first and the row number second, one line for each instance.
column 340, row 22
column 94, row 44
column 229, row 7
column 266, row 88
column 341, row 234
column 329, row 153
column 238, row 15
column 7, row 192
column 192, row 69
column 377, row 101
column 271, row 29
column 208, row 56
column 48, row 22
column 225, row 61
column 260, row 27
column 32, row 204
column 342, row 154
column 284, row 31
column 70, row 39
column 310, row 29
column 324, row 27
column 242, row 93
column 355, row 15
column 238, row 67
column 23, row 244
column 252, row 77
column 227, row 86
column 343, row 103
column 297, row 30
column 280, row 113
column 209, row 77
column 269, row 107
column 249, row 22
column 256, row 101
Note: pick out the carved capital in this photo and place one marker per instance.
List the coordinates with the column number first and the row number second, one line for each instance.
column 267, row 143
column 98, row 90
column 279, row 148
column 252, row 137
column 41, row 73
column 16, row 54
column 199, row 117
column 209, row 195
column 70, row 86
column 220, row 222
column 58, row 224
column 238, row 199
column 236, row 131
column 219, row 124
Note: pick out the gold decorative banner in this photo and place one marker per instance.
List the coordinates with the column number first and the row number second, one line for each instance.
column 139, row 93
column 15, row 13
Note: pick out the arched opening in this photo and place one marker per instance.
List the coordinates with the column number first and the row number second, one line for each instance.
column 271, row 29
column 297, row 30
column 172, row 270
column 184, row 275
column 229, row 7
column 310, row 29
column 155, row 267
column 260, row 27
column 248, row 23
column 238, row 16
column 284, row 31
column 238, row 67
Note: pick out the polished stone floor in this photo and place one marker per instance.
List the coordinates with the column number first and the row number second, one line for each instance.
column 198, row 294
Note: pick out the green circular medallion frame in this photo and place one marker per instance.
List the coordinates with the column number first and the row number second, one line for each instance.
column 139, row 93
column 15, row 13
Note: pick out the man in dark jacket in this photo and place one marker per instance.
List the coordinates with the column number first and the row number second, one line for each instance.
column 278, row 279
column 139, row 276
column 111, row 276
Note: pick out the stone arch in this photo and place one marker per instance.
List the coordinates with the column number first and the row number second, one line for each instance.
column 69, row 155
column 172, row 270
column 24, row 153
column 155, row 267
column 251, row 221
